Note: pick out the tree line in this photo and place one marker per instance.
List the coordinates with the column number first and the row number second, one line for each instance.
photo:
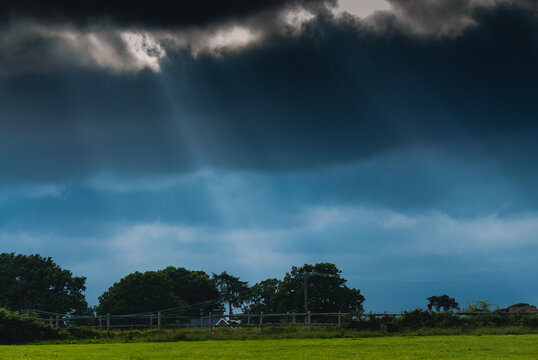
column 36, row 282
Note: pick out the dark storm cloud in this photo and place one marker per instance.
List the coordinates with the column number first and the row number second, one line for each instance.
column 440, row 17
column 160, row 13
column 127, row 37
column 329, row 96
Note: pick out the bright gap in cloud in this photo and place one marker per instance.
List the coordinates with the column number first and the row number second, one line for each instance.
column 360, row 8
column 298, row 17
column 145, row 50
column 231, row 39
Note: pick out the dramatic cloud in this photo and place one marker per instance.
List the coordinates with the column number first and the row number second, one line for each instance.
column 127, row 37
column 303, row 102
column 438, row 17
column 29, row 47
column 155, row 14
column 121, row 36
column 426, row 18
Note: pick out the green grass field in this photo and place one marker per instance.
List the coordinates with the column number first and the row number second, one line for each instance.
column 415, row 347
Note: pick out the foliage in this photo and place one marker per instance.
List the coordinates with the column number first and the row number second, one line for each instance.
column 194, row 287
column 263, row 297
column 444, row 302
column 35, row 282
column 480, row 306
column 422, row 319
column 231, row 289
column 408, row 320
column 326, row 290
column 15, row 328
column 156, row 290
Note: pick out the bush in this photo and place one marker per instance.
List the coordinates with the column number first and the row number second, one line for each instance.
column 421, row 319
column 15, row 328
column 530, row 321
column 418, row 319
column 81, row 333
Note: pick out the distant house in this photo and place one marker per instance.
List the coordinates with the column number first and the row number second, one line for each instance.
column 223, row 323
column 216, row 322
column 521, row 309
column 232, row 323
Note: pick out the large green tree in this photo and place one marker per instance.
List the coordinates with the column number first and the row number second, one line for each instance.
column 195, row 287
column 157, row 290
column 35, row 282
column 263, row 297
column 231, row 289
column 326, row 292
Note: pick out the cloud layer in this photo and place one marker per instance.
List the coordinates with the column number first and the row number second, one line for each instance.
column 379, row 249
column 127, row 37
column 303, row 102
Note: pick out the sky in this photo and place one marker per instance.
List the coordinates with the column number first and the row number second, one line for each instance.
column 396, row 139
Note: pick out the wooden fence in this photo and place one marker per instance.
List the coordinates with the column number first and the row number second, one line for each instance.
column 160, row 320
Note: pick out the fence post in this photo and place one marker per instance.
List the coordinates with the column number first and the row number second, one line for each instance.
column 100, row 322
column 50, row 320
column 248, row 319
column 339, row 319
column 293, row 319
column 309, row 319
column 108, row 323
column 261, row 320
column 211, row 321
column 159, row 320
column 57, row 321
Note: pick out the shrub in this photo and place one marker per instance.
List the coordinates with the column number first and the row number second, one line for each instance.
column 81, row 333
column 15, row 328
column 422, row 319
column 530, row 321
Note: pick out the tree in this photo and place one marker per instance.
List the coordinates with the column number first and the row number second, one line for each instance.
column 480, row 306
column 157, row 290
column 325, row 287
column 195, row 287
column 444, row 302
column 140, row 292
column 231, row 289
column 263, row 297
column 35, row 282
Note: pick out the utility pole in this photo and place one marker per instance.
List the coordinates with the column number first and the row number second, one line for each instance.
column 306, row 274
column 306, row 292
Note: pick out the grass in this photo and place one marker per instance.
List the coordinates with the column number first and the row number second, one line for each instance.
column 399, row 347
column 270, row 332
